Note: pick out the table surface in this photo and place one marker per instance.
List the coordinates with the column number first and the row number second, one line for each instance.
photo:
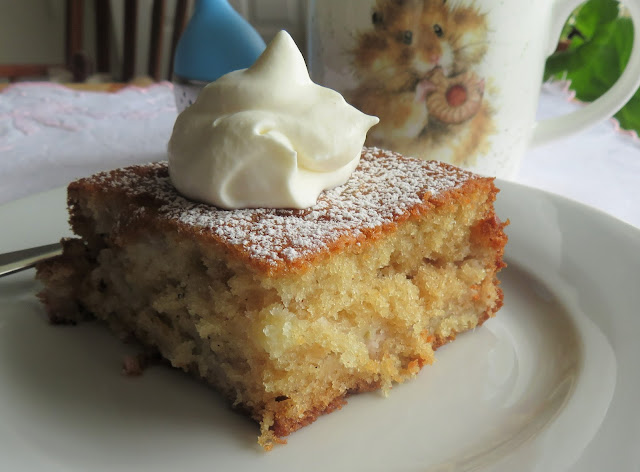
column 51, row 134
column 87, row 87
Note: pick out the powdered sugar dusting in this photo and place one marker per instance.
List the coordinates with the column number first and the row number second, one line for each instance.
column 382, row 189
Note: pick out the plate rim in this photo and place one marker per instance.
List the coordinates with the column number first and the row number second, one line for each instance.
column 596, row 216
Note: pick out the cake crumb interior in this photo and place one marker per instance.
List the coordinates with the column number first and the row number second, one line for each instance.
column 286, row 346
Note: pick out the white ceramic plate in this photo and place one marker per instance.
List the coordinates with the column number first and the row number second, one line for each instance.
column 552, row 383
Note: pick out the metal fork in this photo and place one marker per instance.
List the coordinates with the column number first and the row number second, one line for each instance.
column 12, row 262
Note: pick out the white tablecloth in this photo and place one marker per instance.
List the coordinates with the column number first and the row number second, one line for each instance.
column 50, row 135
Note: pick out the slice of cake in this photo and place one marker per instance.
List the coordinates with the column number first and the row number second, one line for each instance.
column 286, row 312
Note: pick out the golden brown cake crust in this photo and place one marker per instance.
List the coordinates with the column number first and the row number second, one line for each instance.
column 276, row 241
column 387, row 267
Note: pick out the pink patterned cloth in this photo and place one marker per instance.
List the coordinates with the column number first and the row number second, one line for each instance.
column 50, row 135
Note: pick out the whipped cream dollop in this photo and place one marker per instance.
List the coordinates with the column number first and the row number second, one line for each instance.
column 266, row 136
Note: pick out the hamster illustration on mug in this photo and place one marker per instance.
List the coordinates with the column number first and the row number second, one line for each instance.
column 415, row 71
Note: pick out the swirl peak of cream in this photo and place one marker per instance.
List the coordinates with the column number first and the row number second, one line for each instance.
column 266, row 136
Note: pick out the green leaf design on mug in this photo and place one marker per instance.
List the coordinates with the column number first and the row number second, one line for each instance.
column 597, row 42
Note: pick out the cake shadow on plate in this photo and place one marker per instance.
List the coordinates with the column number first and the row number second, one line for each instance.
column 70, row 378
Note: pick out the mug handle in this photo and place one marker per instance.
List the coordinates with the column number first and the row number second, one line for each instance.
column 612, row 100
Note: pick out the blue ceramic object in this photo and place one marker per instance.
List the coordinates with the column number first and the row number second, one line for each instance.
column 217, row 40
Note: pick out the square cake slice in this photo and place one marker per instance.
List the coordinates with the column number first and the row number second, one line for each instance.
column 286, row 312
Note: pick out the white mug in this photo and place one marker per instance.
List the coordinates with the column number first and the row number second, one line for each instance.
column 453, row 80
